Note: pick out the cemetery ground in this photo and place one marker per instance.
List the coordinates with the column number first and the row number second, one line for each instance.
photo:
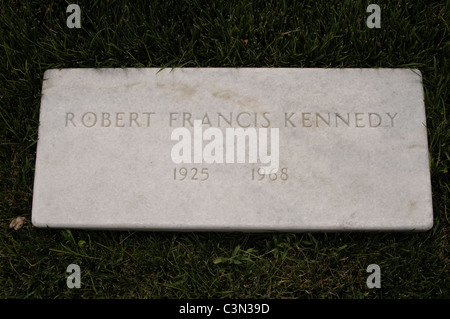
column 34, row 37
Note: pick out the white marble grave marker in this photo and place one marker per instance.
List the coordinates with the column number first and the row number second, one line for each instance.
column 187, row 149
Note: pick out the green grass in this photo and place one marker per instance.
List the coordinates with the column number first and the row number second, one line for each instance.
column 197, row 33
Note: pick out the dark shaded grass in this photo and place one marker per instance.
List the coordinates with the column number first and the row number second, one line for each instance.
column 34, row 37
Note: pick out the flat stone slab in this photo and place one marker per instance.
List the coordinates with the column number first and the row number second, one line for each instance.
column 151, row 149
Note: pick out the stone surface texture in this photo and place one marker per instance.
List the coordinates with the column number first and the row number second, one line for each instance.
column 353, row 143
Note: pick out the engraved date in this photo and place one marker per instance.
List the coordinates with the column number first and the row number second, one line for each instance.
column 281, row 175
column 193, row 174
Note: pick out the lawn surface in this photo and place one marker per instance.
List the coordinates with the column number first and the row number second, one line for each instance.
column 34, row 37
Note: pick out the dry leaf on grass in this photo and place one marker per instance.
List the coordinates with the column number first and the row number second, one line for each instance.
column 17, row 223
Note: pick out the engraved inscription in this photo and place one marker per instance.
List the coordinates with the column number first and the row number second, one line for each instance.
column 258, row 175
column 107, row 119
column 194, row 174
column 235, row 119
column 328, row 119
column 219, row 119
